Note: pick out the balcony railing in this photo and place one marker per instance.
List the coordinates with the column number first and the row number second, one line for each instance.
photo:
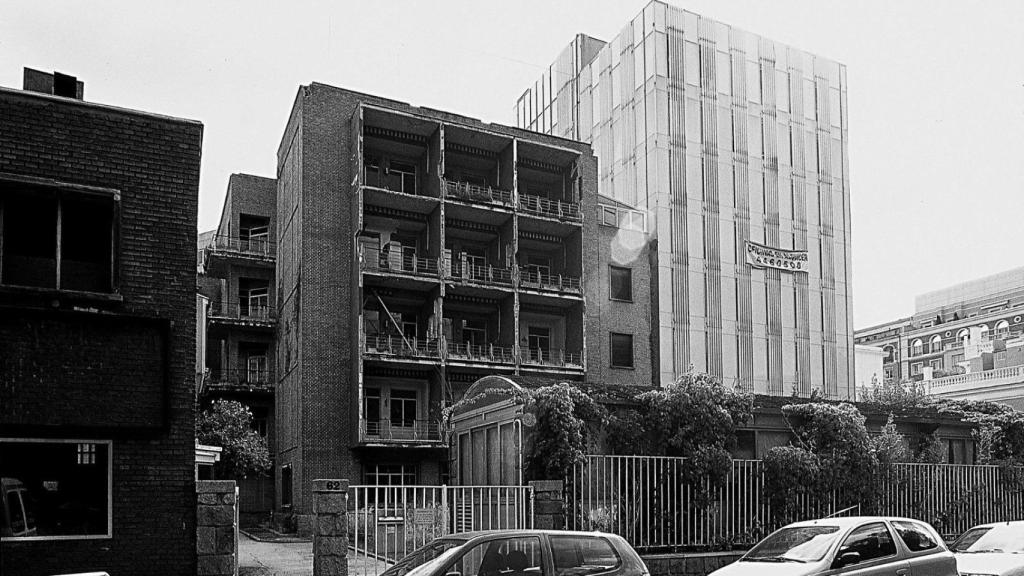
column 481, row 353
column 402, row 347
column 458, row 270
column 255, row 246
column 386, row 430
column 552, row 282
column 475, row 193
column 552, row 357
column 238, row 377
column 377, row 260
column 550, row 208
column 1012, row 374
column 242, row 311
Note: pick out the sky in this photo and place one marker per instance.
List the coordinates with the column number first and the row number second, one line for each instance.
column 936, row 94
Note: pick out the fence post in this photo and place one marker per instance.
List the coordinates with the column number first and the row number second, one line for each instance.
column 548, row 504
column 330, row 534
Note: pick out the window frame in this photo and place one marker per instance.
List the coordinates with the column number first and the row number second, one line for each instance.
column 611, row 353
column 109, row 443
column 839, row 551
column 30, row 186
column 629, row 283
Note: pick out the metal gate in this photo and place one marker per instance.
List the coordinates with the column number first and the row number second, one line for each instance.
column 388, row 522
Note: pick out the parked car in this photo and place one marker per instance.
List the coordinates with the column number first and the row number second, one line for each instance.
column 860, row 546
column 996, row 549
column 522, row 553
column 17, row 517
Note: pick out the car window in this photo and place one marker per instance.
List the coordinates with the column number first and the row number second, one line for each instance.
column 520, row 556
column 871, row 541
column 794, row 543
column 579, row 555
column 914, row 535
column 422, row 556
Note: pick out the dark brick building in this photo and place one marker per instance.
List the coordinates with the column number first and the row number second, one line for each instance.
column 97, row 334
column 237, row 279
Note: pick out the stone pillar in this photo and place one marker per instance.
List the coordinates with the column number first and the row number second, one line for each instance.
column 548, row 504
column 216, row 518
column 330, row 534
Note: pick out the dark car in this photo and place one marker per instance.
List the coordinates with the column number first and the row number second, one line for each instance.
column 522, row 553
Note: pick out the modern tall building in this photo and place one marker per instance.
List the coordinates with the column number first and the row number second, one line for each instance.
column 735, row 148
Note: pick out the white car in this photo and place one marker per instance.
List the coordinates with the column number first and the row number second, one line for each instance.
column 995, row 549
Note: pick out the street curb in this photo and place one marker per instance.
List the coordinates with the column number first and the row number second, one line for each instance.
column 277, row 538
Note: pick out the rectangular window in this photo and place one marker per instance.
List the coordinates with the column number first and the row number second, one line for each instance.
column 56, row 238
column 286, row 486
column 621, row 350
column 253, row 298
column 621, row 283
column 916, row 367
column 957, row 358
column 371, row 410
column 936, row 364
column 474, row 332
column 402, row 177
column 256, row 369
column 538, row 340
column 254, row 233
column 609, row 217
column 390, row 474
column 55, row 489
column 403, row 408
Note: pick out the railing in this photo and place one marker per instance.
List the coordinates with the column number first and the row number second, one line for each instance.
column 552, row 282
column 552, row 357
column 551, row 208
column 377, row 260
column 1012, row 373
column 647, row 500
column 458, row 270
column 240, row 311
column 483, row 353
column 387, row 522
column 386, row 430
column 475, row 193
column 258, row 246
column 238, row 377
column 402, row 347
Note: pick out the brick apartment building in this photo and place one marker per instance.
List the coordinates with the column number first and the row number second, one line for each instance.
column 416, row 252
column 97, row 326
column 236, row 278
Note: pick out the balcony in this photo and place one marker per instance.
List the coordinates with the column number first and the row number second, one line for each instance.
column 552, row 357
column 531, row 279
column 398, row 347
column 237, row 379
column 251, row 249
column 399, row 432
column 242, row 313
column 973, row 382
column 540, row 206
column 480, row 353
column 379, row 261
column 477, row 194
column 479, row 274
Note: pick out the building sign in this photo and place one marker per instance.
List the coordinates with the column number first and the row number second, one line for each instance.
column 760, row 256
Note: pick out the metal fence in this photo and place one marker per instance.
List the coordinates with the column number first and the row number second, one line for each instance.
column 647, row 500
column 388, row 522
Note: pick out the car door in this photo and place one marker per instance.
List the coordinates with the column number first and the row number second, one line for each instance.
column 876, row 553
column 927, row 555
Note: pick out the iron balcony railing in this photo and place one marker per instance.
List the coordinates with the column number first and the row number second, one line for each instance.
column 396, row 262
column 467, row 272
column 256, row 246
column 386, row 430
column 552, row 282
column 483, row 353
column 550, row 208
column 552, row 357
column 238, row 377
column 478, row 194
column 242, row 311
column 402, row 347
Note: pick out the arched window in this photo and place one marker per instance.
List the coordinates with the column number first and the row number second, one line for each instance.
column 935, row 345
column 916, row 347
column 890, row 353
column 1002, row 328
column 963, row 336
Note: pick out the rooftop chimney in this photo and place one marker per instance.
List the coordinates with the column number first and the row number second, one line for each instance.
column 57, row 84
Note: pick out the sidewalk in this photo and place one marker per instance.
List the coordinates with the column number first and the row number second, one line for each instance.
column 291, row 559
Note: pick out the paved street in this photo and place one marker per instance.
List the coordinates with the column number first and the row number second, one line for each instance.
column 287, row 559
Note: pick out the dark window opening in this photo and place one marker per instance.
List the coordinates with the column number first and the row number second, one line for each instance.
column 403, row 408
column 286, row 486
column 621, row 281
column 86, row 244
column 621, row 350
column 29, row 241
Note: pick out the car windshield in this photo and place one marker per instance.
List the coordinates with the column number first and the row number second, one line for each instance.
column 794, row 544
column 423, row 555
column 999, row 538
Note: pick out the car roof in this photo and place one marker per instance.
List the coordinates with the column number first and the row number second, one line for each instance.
column 994, row 524
column 521, row 532
column 850, row 521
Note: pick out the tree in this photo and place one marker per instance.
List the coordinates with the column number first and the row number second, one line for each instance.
column 566, row 417
column 228, row 424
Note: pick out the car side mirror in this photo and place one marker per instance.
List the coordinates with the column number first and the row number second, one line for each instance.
column 847, row 558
